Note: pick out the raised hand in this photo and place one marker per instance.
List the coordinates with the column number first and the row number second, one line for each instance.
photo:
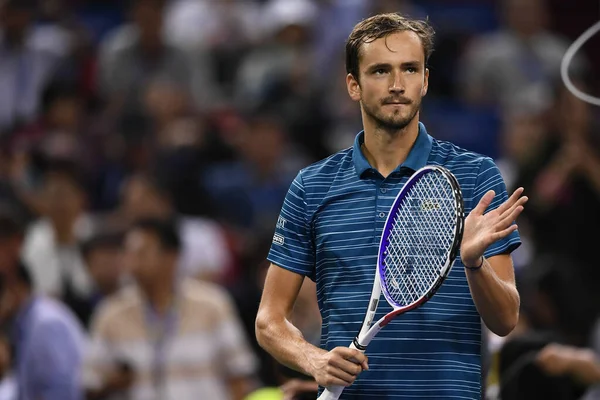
column 482, row 230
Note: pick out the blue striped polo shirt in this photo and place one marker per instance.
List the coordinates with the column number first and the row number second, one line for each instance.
column 329, row 230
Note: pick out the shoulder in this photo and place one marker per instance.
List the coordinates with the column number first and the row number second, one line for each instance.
column 454, row 157
column 53, row 320
column 206, row 295
column 470, row 168
column 116, row 307
column 327, row 168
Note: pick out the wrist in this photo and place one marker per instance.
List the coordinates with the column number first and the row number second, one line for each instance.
column 311, row 354
column 476, row 265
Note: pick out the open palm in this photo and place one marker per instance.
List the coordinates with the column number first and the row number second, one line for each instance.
column 482, row 230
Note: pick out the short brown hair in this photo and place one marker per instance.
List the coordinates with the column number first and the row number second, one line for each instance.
column 382, row 25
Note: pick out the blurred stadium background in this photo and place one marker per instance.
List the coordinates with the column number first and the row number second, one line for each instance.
column 115, row 110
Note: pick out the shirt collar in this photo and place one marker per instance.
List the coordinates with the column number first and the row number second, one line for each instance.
column 417, row 157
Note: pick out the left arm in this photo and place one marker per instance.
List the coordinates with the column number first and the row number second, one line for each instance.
column 492, row 281
column 495, row 294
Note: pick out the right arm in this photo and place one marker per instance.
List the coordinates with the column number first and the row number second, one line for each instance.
column 278, row 336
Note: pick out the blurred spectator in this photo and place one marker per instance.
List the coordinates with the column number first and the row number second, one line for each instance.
column 517, row 65
column 226, row 30
column 248, row 190
column 196, row 345
column 51, row 249
column 47, row 338
column 531, row 367
column 102, row 256
column 279, row 74
column 562, row 173
column 56, row 134
column 137, row 54
column 24, row 67
column 205, row 253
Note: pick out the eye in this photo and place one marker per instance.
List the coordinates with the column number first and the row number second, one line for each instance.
column 412, row 70
column 379, row 71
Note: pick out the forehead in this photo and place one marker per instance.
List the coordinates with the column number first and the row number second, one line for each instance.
column 397, row 48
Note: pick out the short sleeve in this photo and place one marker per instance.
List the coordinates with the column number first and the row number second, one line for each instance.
column 292, row 247
column 489, row 178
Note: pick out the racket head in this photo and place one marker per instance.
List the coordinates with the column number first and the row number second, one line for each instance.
column 420, row 239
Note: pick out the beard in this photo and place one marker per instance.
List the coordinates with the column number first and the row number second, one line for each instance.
column 393, row 121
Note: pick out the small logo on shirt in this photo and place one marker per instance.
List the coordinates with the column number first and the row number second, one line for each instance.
column 281, row 222
column 278, row 239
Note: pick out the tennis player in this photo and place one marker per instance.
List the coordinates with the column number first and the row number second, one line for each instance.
column 330, row 226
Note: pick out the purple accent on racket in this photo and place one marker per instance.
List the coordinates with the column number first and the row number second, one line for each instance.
column 418, row 247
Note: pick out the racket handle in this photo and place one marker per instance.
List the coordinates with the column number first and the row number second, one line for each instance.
column 334, row 392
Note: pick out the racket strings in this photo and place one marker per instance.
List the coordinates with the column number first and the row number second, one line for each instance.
column 421, row 236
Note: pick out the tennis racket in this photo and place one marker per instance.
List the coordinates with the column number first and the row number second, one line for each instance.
column 419, row 243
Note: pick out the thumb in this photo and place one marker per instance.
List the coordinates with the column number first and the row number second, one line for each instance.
column 484, row 203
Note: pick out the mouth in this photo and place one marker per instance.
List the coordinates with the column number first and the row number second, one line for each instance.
column 396, row 103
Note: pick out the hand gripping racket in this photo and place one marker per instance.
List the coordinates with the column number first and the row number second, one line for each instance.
column 419, row 243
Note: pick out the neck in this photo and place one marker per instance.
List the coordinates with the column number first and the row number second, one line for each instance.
column 160, row 295
column 385, row 150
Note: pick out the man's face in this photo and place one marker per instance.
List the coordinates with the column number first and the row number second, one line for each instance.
column 393, row 79
column 140, row 201
column 105, row 267
column 64, row 200
column 144, row 256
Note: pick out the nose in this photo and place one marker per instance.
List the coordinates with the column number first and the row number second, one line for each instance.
column 397, row 83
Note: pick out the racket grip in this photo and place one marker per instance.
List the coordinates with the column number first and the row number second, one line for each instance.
column 334, row 392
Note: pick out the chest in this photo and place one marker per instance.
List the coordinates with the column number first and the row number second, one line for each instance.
column 347, row 226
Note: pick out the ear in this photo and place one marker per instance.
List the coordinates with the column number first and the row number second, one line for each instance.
column 353, row 87
column 425, row 83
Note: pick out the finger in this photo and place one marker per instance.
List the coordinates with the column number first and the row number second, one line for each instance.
column 338, row 373
column 347, row 366
column 520, row 202
column 509, row 219
column 503, row 233
column 484, row 203
column 511, row 200
column 356, row 356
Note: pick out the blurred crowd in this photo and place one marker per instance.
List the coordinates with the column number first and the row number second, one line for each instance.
column 146, row 147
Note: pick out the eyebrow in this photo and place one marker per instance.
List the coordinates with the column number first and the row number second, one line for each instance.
column 407, row 64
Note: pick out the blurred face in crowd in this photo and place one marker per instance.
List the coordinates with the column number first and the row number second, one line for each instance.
column 65, row 113
column 64, row 199
column 526, row 17
column 148, row 16
column 262, row 145
column 146, row 259
column 392, row 80
column 523, row 136
column 105, row 265
column 140, row 200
